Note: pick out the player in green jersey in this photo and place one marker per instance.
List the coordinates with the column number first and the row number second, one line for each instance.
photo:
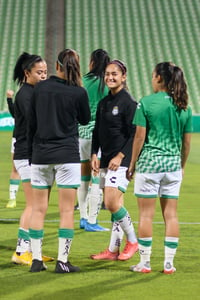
column 93, row 82
column 160, row 150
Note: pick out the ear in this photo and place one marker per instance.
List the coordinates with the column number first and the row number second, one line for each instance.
column 124, row 78
column 159, row 79
column 57, row 66
column 26, row 73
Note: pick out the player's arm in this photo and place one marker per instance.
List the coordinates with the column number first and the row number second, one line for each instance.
column 10, row 103
column 138, row 143
column 185, row 148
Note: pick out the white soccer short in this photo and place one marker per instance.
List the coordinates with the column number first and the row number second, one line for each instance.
column 116, row 179
column 165, row 185
column 66, row 175
column 85, row 146
column 85, row 149
column 23, row 168
column 12, row 150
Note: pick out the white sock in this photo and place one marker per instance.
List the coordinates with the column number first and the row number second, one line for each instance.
column 127, row 226
column 63, row 249
column 22, row 245
column 36, row 246
column 23, row 241
column 116, row 237
column 145, row 246
column 94, row 200
column 82, row 199
column 13, row 188
column 171, row 244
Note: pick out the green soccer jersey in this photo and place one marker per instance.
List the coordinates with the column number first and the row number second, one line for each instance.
column 165, row 125
column 91, row 84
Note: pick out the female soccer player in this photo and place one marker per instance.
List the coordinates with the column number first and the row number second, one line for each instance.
column 160, row 150
column 29, row 70
column 113, row 133
column 96, row 89
column 14, row 176
column 57, row 106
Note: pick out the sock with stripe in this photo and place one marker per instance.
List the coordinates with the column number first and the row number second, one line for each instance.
column 36, row 237
column 13, row 188
column 94, row 200
column 23, row 241
column 171, row 244
column 65, row 237
column 124, row 219
column 116, row 236
column 82, row 196
column 145, row 245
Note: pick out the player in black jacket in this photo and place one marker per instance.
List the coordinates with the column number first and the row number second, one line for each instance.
column 57, row 106
column 113, row 134
column 29, row 69
column 14, row 180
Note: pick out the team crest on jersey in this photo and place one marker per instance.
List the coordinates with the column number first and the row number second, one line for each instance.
column 115, row 110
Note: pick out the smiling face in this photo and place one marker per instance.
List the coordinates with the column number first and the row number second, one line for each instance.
column 114, row 78
column 37, row 73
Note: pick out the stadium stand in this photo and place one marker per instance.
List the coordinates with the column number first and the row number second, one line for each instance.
column 139, row 32
column 22, row 29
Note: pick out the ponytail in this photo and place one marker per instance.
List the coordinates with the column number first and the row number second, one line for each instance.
column 98, row 61
column 178, row 88
column 25, row 61
column 68, row 61
column 174, row 82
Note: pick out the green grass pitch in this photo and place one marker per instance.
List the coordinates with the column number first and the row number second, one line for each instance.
column 100, row 279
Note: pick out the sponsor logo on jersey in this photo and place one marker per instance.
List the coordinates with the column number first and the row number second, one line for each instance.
column 113, row 179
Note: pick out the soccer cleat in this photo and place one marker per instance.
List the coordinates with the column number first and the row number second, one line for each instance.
column 129, row 250
column 11, row 204
column 37, row 266
column 141, row 268
column 22, row 259
column 62, row 267
column 76, row 207
column 103, row 205
column 168, row 268
column 47, row 258
column 83, row 223
column 105, row 255
column 94, row 227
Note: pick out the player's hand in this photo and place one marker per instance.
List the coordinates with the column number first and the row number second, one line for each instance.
column 115, row 162
column 95, row 164
column 130, row 172
column 9, row 93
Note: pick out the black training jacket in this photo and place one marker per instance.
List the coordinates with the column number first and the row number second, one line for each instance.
column 114, row 131
column 55, row 111
column 21, row 108
column 11, row 110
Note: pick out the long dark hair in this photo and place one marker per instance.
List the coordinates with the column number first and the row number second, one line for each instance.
column 24, row 62
column 175, row 83
column 68, row 60
column 98, row 61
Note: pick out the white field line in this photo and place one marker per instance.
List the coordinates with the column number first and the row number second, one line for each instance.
column 106, row 222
